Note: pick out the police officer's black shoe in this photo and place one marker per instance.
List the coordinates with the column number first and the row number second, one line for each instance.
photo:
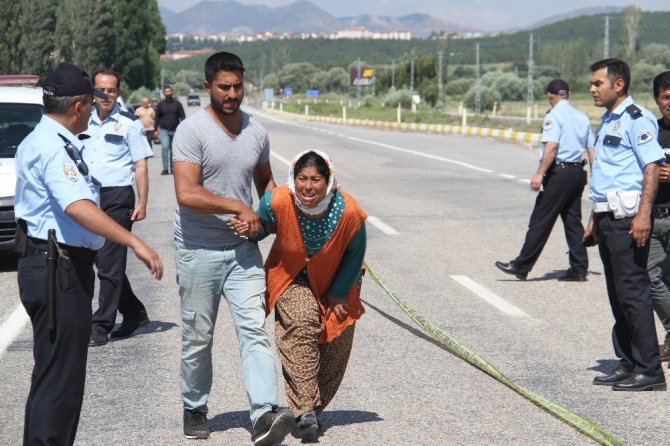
column 572, row 276
column 511, row 268
column 618, row 375
column 129, row 325
column 641, row 382
column 98, row 338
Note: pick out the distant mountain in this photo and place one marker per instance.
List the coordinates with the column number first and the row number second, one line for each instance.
column 577, row 13
column 210, row 17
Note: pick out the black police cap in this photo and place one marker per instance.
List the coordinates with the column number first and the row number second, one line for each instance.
column 69, row 79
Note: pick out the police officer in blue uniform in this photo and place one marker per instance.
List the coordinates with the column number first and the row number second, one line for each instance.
column 560, row 179
column 54, row 191
column 623, row 185
column 116, row 154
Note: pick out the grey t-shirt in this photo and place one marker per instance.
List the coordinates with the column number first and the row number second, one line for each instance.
column 227, row 171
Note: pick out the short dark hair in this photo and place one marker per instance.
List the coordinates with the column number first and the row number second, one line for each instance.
column 312, row 159
column 166, row 87
column 661, row 82
column 222, row 61
column 616, row 69
column 59, row 105
column 108, row 72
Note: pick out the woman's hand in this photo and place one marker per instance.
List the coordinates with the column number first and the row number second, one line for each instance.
column 240, row 227
column 337, row 306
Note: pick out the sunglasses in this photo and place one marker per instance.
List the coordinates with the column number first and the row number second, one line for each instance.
column 79, row 162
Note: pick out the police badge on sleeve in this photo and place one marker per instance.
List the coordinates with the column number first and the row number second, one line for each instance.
column 70, row 172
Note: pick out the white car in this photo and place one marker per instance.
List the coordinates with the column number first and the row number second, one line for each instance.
column 20, row 111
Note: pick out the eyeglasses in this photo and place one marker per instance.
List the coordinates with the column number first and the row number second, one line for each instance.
column 75, row 154
column 108, row 91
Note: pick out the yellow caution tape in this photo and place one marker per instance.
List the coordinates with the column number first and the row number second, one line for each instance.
column 579, row 423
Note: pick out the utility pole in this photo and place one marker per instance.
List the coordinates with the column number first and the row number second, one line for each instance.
column 606, row 50
column 478, row 93
column 411, row 76
column 531, row 64
column 393, row 74
column 358, row 79
column 440, row 87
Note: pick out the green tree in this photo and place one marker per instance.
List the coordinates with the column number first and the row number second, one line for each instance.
column 10, row 59
column 631, row 31
column 37, row 49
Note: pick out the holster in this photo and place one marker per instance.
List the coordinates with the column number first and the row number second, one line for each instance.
column 21, row 238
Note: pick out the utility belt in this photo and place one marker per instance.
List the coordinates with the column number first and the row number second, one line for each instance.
column 620, row 204
column 37, row 246
column 24, row 245
column 566, row 165
column 660, row 212
column 111, row 188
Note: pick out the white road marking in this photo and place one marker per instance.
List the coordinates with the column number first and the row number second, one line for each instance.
column 508, row 176
column 491, row 298
column 11, row 328
column 280, row 158
column 524, row 180
column 426, row 155
column 386, row 229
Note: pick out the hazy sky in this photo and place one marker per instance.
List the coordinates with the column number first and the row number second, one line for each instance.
column 487, row 15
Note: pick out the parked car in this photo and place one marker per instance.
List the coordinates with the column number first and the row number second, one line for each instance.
column 193, row 100
column 20, row 111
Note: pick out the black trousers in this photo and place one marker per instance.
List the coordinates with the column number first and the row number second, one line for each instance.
column 628, row 288
column 562, row 195
column 57, row 383
column 115, row 290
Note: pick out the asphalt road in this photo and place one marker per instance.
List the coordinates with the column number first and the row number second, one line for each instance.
column 445, row 208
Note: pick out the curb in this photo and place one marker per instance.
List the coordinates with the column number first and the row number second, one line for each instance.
column 510, row 135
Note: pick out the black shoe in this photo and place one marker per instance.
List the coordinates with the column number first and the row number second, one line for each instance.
column 510, row 268
column 272, row 427
column 129, row 325
column 98, row 338
column 308, row 425
column 572, row 276
column 640, row 382
column 195, row 425
column 618, row 375
column 164, row 172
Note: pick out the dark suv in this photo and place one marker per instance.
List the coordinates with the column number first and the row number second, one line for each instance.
column 193, row 99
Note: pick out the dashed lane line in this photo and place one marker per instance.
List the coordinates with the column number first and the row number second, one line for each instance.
column 491, row 298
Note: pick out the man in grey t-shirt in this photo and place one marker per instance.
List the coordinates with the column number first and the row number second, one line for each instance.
column 218, row 153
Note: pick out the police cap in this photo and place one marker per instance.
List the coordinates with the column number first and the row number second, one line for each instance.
column 69, row 79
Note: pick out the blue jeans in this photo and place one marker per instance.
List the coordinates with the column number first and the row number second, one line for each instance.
column 166, row 137
column 658, row 250
column 204, row 275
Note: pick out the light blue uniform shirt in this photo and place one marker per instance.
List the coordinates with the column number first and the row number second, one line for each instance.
column 624, row 146
column 570, row 129
column 48, row 181
column 114, row 146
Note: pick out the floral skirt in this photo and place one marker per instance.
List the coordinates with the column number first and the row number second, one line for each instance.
column 312, row 371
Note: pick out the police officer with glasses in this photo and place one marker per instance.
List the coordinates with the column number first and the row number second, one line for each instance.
column 116, row 153
column 624, row 180
column 56, row 202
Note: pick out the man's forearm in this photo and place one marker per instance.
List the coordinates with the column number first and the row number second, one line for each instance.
column 649, row 188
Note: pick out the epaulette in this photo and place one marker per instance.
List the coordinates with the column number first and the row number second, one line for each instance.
column 547, row 112
column 634, row 111
column 128, row 115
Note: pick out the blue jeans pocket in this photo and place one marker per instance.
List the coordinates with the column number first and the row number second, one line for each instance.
column 189, row 331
